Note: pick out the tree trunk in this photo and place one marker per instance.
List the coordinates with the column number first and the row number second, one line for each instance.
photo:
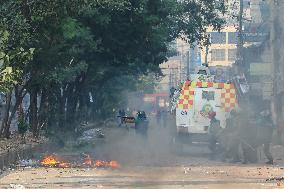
column 42, row 113
column 19, row 97
column 71, row 109
column 33, row 112
column 53, row 107
column 73, row 100
column 13, row 112
column 62, row 98
column 6, row 112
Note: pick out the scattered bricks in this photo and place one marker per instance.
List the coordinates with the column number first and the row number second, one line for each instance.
column 12, row 156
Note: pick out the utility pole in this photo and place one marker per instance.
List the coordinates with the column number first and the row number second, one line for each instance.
column 275, row 65
column 206, row 55
column 187, row 64
column 175, row 77
column 240, row 58
column 192, row 59
column 180, row 70
column 170, row 78
column 207, row 49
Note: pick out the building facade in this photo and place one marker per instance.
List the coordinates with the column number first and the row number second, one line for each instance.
column 223, row 48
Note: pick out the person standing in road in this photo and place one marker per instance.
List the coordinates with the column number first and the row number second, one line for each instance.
column 121, row 114
column 159, row 117
column 231, row 141
column 265, row 132
column 141, row 124
column 214, row 131
column 248, row 134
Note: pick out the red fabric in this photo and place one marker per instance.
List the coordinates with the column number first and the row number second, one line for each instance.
column 211, row 114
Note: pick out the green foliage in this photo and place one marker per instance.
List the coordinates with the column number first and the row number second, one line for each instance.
column 68, row 49
column 12, row 67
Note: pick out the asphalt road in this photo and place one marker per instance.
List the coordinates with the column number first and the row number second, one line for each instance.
column 151, row 164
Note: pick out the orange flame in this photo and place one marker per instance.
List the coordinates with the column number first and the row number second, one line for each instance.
column 58, row 162
column 114, row 164
column 53, row 161
column 105, row 164
column 100, row 163
column 88, row 160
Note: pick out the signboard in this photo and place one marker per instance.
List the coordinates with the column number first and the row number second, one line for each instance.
column 255, row 37
column 258, row 69
column 149, row 99
column 183, row 118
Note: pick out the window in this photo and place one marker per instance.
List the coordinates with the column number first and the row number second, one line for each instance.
column 232, row 37
column 218, row 37
column 208, row 95
column 202, row 72
column 232, row 54
column 218, row 55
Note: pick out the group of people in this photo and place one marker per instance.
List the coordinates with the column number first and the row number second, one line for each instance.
column 139, row 118
column 246, row 131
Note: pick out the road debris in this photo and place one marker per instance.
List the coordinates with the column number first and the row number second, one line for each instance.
column 275, row 179
column 17, row 186
column 99, row 133
column 28, row 163
column 186, row 170
column 90, row 136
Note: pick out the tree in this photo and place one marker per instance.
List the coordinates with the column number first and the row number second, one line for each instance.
column 13, row 60
column 71, row 49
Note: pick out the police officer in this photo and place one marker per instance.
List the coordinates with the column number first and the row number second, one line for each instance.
column 141, row 123
column 248, row 134
column 264, row 134
column 159, row 116
column 231, row 141
column 121, row 114
column 214, row 131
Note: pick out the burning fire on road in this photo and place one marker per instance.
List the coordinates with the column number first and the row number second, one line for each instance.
column 107, row 164
column 88, row 160
column 55, row 161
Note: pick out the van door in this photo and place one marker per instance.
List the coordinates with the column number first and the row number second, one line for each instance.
column 204, row 104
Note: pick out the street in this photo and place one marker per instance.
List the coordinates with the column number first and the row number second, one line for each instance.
column 197, row 176
column 152, row 165
column 147, row 94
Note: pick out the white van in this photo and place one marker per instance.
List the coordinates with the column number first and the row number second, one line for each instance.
column 198, row 98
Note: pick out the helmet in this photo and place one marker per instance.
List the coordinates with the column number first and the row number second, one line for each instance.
column 141, row 114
